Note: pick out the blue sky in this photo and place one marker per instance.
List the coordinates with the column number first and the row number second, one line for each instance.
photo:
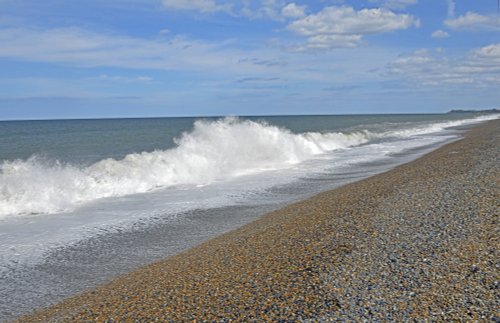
column 146, row 58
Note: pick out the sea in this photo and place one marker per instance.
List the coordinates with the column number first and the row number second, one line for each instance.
column 82, row 201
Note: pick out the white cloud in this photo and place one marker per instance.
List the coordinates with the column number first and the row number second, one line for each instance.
column 395, row 4
column 119, row 78
column 344, row 27
column 440, row 34
column 326, row 42
column 474, row 21
column 263, row 62
column 480, row 67
column 270, row 9
column 81, row 48
column 144, row 79
column 487, row 57
column 206, row 6
column 345, row 21
column 451, row 8
column 78, row 47
column 293, row 11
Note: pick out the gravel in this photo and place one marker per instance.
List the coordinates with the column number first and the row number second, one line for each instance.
column 418, row 242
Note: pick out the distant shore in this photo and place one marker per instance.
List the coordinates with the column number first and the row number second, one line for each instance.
column 492, row 111
column 420, row 241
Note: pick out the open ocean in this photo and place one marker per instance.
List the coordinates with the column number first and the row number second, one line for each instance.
column 82, row 201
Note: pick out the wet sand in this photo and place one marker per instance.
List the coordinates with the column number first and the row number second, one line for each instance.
column 420, row 241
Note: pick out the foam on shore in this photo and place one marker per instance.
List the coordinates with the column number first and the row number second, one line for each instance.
column 420, row 241
column 217, row 150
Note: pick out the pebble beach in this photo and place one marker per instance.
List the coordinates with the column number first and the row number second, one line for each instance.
column 420, row 242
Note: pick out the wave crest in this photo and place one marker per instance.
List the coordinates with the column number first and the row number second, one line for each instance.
column 212, row 151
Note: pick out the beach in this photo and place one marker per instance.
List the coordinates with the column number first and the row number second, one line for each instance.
column 418, row 242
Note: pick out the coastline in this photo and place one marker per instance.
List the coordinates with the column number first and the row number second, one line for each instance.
column 416, row 241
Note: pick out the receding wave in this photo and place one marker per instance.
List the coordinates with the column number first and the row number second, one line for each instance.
column 212, row 151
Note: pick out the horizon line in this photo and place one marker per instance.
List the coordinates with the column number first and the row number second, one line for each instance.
column 245, row 116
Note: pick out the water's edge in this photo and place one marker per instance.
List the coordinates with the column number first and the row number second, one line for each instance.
column 72, row 269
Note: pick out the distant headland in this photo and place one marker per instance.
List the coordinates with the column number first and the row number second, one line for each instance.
column 474, row 111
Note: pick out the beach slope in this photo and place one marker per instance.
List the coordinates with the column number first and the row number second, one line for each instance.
column 420, row 241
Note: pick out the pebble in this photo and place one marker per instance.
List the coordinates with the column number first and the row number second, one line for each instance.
column 420, row 242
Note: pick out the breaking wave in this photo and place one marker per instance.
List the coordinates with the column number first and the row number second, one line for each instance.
column 212, row 151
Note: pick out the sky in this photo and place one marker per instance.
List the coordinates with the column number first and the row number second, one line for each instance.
column 152, row 58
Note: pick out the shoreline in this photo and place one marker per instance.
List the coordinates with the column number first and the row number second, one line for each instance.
column 75, row 267
column 296, row 260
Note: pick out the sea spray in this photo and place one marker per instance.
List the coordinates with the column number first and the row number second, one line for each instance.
column 215, row 150
column 212, row 151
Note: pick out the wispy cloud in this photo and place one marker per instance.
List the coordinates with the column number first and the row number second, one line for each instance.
column 206, row 6
column 440, row 34
column 257, row 79
column 474, row 21
column 80, row 48
column 83, row 48
column 451, row 8
column 119, row 78
column 342, row 89
column 68, row 98
column 293, row 10
column 263, row 62
column 395, row 4
column 247, row 48
column 480, row 67
column 270, row 9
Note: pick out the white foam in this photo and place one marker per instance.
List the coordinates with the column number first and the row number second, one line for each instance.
column 212, row 151
column 438, row 126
